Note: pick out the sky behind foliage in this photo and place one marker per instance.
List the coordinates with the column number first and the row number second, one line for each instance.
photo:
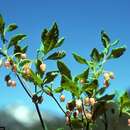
column 80, row 22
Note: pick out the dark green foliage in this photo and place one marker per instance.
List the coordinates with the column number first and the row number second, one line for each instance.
column 64, row 70
column 56, row 55
column 79, row 59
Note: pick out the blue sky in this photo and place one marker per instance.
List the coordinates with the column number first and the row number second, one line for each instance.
column 80, row 22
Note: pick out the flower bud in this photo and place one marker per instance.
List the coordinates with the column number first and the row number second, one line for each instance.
column 111, row 74
column 82, row 81
column 88, row 115
column 78, row 103
column 106, row 76
column 92, row 101
column 9, row 82
column 42, row 67
column 86, row 101
column 23, row 56
column 128, row 122
column 62, row 98
column 67, row 121
column 13, row 83
column 7, row 64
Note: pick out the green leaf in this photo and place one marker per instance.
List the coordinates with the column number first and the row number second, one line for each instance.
column 126, row 105
column 70, row 86
column 60, row 129
column 50, row 76
column 38, row 70
column 90, row 87
column 101, row 90
column 11, row 27
column 105, row 39
column 83, row 75
column 24, row 49
column 117, row 52
column 106, row 97
column 79, row 59
column 115, row 43
column 57, row 55
column 16, row 39
column 58, row 90
column 95, row 55
column 64, row 70
column 49, row 38
column 23, row 62
column 37, row 80
column 2, row 23
column 60, row 42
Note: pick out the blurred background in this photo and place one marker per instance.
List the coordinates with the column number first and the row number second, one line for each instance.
column 80, row 22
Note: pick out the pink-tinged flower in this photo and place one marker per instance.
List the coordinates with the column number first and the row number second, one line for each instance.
column 7, row 64
column 9, row 82
column 13, row 83
column 67, row 121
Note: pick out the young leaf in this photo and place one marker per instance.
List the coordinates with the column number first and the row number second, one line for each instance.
column 88, row 88
column 105, row 39
column 83, row 75
column 101, row 90
column 57, row 55
column 50, row 76
column 64, row 70
column 79, row 59
column 115, row 43
column 95, row 55
column 16, row 39
column 116, row 53
column 59, row 42
column 49, row 38
column 69, row 85
column 58, row 90
column 37, row 80
column 106, row 97
column 11, row 27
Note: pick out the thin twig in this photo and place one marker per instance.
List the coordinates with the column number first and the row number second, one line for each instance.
column 40, row 116
column 36, row 105
column 70, row 125
column 87, row 126
column 24, row 86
